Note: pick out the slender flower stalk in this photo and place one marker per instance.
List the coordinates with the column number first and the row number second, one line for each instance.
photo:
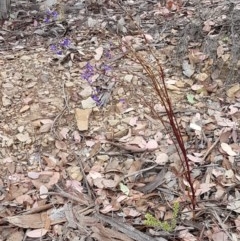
column 157, row 79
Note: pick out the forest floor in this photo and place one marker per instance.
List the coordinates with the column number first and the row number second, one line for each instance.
column 83, row 156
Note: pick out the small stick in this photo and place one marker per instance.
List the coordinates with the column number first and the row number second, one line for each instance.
column 210, row 149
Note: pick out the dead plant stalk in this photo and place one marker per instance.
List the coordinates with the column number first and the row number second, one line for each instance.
column 156, row 75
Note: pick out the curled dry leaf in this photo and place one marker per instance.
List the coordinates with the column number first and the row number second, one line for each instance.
column 75, row 173
column 33, row 175
column 234, row 206
column 43, row 189
column 151, row 145
column 37, row 233
column 82, row 118
column 64, row 133
column 162, row 158
column 60, row 145
column 131, row 212
column 228, row 149
column 75, row 185
column 184, row 235
column 46, row 178
column 77, row 138
column 45, row 128
column 24, row 199
column 99, row 52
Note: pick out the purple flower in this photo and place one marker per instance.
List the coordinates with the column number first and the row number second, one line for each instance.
column 65, row 43
column 47, row 19
column 96, row 99
column 88, row 72
column 50, row 15
column 55, row 49
column 108, row 54
column 59, row 52
column 54, row 14
column 107, row 68
column 89, row 67
column 48, row 12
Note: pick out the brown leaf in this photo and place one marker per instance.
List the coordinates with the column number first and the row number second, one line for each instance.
column 82, row 118
column 61, row 145
column 228, row 149
column 46, row 178
column 136, row 166
column 37, row 233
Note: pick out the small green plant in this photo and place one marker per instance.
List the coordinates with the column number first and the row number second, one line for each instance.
column 164, row 225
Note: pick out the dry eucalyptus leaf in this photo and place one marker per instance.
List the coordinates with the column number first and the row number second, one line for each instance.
column 75, row 173
column 233, row 90
column 228, row 149
column 188, row 69
column 42, row 190
column 99, row 52
column 82, row 118
column 37, row 233
column 61, row 145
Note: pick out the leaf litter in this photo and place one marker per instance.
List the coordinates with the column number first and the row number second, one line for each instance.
column 77, row 123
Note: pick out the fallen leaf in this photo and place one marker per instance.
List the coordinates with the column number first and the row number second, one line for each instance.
column 75, row 173
column 77, row 138
column 45, row 128
column 136, row 166
column 219, row 235
column 88, row 103
column 190, row 98
column 61, row 145
column 24, row 199
column 131, row 212
column 203, row 188
column 42, row 190
column 99, row 52
column 124, row 189
column 82, row 118
column 233, row 90
column 24, row 137
column 184, row 235
column 47, row 178
column 33, row 175
column 220, row 51
column 64, row 133
column 188, row 69
column 234, row 206
column 16, row 236
column 201, row 77
column 162, row 158
column 228, row 149
column 24, row 108
column 133, row 121
column 151, row 145
column 37, row 233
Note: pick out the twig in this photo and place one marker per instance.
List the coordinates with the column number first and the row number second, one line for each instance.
column 159, row 180
column 90, row 193
column 67, row 195
column 221, row 224
column 58, row 117
column 140, row 171
column 210, row 149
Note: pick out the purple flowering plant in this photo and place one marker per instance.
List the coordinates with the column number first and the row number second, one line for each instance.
column 50, row 16
column 88, row 73
column 59, row 48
